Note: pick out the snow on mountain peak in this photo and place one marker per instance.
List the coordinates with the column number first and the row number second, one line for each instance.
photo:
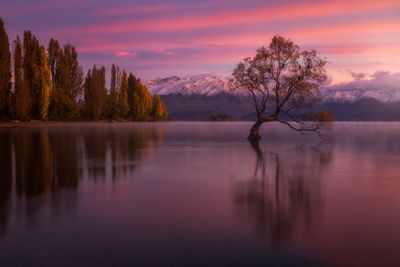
column 203, row 84
column 211, row 84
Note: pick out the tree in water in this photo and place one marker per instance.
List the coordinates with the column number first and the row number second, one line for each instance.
column 284, row 84
column 5, row 73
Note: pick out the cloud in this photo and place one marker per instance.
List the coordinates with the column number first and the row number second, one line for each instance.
column 192, row 18
column 129, row 10
column 383, row 75
column 122, row 54
column 378, row 81
column 358, row 76
column 181, row 36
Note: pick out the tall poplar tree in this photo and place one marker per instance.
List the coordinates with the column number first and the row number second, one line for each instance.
column 139, row 100
column 123, row 96
column 5, row 73
column 67, row 77
column 53, row 51
column 113, row 105
column 45, row 84
column 158, row 111
column 69, row 73
column 21, row 93
column 95, row 93
column 31, row 67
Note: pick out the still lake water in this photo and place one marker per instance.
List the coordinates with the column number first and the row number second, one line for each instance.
column 197, row 194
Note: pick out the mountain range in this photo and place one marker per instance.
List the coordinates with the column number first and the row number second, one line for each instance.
column 217, row 96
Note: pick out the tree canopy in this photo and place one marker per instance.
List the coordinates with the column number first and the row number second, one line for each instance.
column 5, row 72
column 284, row 84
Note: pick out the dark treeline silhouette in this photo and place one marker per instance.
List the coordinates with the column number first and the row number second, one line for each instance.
column 49, row 84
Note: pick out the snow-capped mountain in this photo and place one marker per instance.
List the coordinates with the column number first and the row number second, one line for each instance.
column 203, row 84
column 217, row 95
column 343, row 93
column 384, row 89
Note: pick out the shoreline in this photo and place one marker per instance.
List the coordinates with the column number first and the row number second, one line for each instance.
column 37, row 123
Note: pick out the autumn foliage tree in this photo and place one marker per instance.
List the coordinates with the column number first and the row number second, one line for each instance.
column 158, row 110
column 113, row 97
column 95, row 93
column 5, row 73
column 45, row 85
column 284, row 84
column 31, row 72
column 67, row 77
column 139, row 99
column 123, row 107
column 117, row 99
column 21, row 100
column 49, row 84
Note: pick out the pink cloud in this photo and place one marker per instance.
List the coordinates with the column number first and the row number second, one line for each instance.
column 122, row 54
column 357, row 35
column 126, row 10
column 240, row 17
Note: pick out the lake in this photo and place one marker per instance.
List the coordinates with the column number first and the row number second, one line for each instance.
column 198, row 194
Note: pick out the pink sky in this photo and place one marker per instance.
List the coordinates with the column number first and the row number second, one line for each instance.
column 178, row 37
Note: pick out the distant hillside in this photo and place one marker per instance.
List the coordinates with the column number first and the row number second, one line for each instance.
column 217, row 95
column 199, row 107
column 365, row 109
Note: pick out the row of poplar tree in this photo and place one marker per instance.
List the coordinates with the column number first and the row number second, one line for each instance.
column 49, row 83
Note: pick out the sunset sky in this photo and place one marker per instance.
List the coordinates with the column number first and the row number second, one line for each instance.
column 162, row 38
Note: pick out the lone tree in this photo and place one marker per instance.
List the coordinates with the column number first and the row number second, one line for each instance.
column 284, row 84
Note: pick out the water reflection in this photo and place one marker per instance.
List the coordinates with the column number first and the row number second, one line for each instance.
column 5, row 179
column 33, row 162
column 39, row 164
column 118, row 149
column 283, row 193
column 185, row 194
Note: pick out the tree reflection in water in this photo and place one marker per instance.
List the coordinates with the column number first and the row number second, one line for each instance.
column 41, row 164
column 284, row 192
column 5, row 180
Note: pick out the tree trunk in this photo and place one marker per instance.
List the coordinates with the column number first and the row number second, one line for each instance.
column 254, row 135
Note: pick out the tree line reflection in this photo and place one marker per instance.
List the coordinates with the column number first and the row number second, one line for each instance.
column 40, row 162
column 284, row 191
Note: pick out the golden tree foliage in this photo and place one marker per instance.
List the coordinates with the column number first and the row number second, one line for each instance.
column 49, row 85
column 140, row 100
column 159, row 111
column 45, row 75
column 123, row 96
column 5, row 73
column 21, row 94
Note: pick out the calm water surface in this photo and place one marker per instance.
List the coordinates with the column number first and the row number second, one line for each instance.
column 197, row 194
